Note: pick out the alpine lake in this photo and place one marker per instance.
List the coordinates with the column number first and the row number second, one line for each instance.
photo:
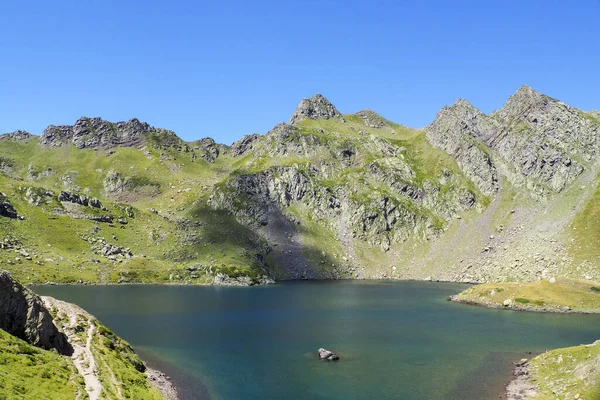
column 396, row 340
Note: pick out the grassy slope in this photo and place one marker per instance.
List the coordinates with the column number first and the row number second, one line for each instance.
column 118, row 366
column 164, row 180
column 117, row 363
column 27, row 372
column 564, row 294
column 569, row 373
column 584, row 231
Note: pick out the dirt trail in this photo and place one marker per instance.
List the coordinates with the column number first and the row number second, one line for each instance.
column 83, row 358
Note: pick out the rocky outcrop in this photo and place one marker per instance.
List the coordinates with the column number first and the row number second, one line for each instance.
column 80, row 199
column 244, row 145
column 6, row 208
column 316, row 107
column 207, row 148
column 19, row 136
column 24, row 315
column 97, row 134
column 372, row 119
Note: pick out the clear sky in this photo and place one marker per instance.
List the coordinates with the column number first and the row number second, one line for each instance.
column 228, row 68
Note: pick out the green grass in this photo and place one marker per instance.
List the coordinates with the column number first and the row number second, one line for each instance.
column 115, row 358
column 565, row 293
column 27, row 372
column 567, row 373
column 585, row 231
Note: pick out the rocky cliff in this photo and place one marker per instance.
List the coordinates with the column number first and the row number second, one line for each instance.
column 24, row 315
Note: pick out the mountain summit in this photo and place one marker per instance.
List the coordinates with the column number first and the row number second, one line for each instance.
column 316, row 107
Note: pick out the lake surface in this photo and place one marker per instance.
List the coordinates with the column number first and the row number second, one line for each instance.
column 397, row 340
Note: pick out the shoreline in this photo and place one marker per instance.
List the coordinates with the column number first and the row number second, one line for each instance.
column 243, row 286
column 162, row 382
column 520, row 388
column 455, row 299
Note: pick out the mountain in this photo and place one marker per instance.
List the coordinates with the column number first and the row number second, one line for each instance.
column 472, row 197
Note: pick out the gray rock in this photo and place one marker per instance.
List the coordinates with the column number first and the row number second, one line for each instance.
column 538, row 141
column 22, row 314
column 207, row 148
column 372, row 119
column 244, row 145
column 327, row 355
column 316, row 107
column 6, row 208
column 74, row 198
column 98, row 134
column 19, row 136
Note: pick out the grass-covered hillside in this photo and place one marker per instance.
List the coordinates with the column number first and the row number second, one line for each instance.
column 27, row 372
column 553, row 295
column 327, row 195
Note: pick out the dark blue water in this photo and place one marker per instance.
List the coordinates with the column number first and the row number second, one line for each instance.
column 397, row 340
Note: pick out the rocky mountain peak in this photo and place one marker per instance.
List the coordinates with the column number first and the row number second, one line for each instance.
column 96, row 133
column 521, row 102
column 316, row 107
column 16, row 135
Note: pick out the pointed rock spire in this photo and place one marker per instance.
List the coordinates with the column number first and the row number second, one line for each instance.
column 524, row 99
column 316, row 107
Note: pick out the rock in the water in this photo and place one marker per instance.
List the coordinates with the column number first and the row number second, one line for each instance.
column 327, row 355
column 23, row 314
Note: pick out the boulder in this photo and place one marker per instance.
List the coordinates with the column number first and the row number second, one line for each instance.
column 6, row 209
column 327, row 355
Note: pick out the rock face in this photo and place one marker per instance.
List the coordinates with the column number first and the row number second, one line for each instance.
column 327, row 355
column 244, row 145
column 6, row 209
column 97, row 134
column 316, row 107
column 23, row 315
column 459, row 130
column 208, row 149
column 535, row 140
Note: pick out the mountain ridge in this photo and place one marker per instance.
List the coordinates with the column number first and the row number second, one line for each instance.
column 328, row 195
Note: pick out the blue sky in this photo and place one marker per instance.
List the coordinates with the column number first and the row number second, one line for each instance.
column 224, row 69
